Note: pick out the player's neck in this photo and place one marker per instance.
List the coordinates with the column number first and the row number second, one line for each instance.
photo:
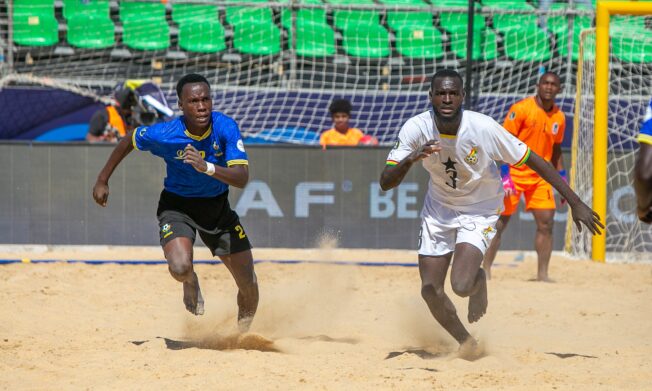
column 449, row 126
column 546, row 105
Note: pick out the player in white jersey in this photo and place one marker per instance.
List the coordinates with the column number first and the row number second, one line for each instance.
column 465, row 195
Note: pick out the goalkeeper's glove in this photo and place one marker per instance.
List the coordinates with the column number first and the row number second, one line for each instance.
column 562, row 174
column 508, row 184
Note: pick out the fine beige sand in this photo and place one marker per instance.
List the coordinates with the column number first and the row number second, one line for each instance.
column 70, row 326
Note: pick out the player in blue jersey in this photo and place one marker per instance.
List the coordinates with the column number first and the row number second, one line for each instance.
column 204, row 155
column 643, row 170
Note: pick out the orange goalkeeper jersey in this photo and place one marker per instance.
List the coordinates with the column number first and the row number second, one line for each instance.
column 333, row 137
column 538, row 129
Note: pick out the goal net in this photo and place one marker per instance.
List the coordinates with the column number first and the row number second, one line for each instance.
column 630, row 90
column 276, row 65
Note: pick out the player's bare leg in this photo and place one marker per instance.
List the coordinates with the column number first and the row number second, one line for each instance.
column 490, row 255
column 543, row 241
column 433, row 274
column 178, row 253
column 241, row 266
column 468, row 279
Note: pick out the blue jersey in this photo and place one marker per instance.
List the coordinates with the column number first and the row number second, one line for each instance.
column 646, row 130
column 220, row 145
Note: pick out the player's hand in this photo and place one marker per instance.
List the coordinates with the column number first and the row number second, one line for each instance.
column 582, row 214
column 430, row 147
column 645, row 215
column 508, row 185
column 101, row 193
column 191, row 156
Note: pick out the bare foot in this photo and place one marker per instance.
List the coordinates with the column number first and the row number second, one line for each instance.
column 470, row 350
column 245, row 323
column 545, row 279
column 478, row 302
column 192, row 297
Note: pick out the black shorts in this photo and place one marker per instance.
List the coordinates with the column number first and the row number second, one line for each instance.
column 218, row 225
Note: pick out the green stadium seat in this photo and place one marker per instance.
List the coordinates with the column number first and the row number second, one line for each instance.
column 146, row 34
column 397, row 19
column 314, row 40
column 343, row 19
column 527, row 44
column 183, row 12
column 558, row 24
column 35, row 30
column 419, row 42
column 458, row 21
column 366, row 41
column 627, row 23
column 411, row 3
column 315, row 16
column 561, row 33
column 94, row 8
column 90, row 32
column 134, row 10
column 34, row 7
column 451, row 3
column 485, row 44
column 633, row 48
column 201, row 36
column 258, row 39
column 248, row 15
column 505, row 21
column 502, row 3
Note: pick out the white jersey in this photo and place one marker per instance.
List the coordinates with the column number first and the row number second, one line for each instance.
column 463, row 175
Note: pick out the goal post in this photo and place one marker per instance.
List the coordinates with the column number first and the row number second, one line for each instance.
column 609, row 153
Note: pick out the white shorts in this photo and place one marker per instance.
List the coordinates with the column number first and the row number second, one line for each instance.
column 442, row 228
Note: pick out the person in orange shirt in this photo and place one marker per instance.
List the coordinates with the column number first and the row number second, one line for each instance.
column 341, row 133
column 540, row 124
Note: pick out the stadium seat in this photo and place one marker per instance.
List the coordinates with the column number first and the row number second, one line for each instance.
column 257, row 38
column 411, row 3
column 314, row 40
column 134, row 10
column 632, row 48
column 527, row 44
column 201, row 36
column 627, row 23
column 343, row 19
column 35, row 30
column 504, row 21
column 366, row 41
column 485, row 45
column 146, row 34
column 560, row 29
column 182, row 12
column 458, row 21
column 312, row 15
column 92, row 8
column 247, row 15
column 90, row 32
column 419, row 42
column 34, row 7
column 397, row 19
column 502, row 3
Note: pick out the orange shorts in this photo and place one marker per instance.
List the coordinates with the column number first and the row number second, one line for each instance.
column 538, row 195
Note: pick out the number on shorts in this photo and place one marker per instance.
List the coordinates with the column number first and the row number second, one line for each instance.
column 240, row 231
column 420, row 233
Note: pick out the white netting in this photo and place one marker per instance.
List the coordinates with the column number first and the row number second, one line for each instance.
column 278, row 84
column 630, row 89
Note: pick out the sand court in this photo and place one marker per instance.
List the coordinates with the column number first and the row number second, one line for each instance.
column 319, row 326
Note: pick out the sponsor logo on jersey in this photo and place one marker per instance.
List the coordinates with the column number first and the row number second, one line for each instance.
column 555, row 128
column 512, row 115
column 181, row 154
column 240, row 146
column 216, row 147
column 472, row 157
column 397, row 143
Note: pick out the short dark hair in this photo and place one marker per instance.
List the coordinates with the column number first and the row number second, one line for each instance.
column 340, row 106
column 549, row 73
column 190, row 78
column 446, row 73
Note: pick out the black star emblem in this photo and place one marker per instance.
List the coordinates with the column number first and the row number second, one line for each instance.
column 450, row 165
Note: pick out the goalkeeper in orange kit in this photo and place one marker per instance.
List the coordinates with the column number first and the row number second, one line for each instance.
column 540, row 124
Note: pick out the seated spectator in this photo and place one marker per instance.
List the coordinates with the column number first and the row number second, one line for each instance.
column 341, row 133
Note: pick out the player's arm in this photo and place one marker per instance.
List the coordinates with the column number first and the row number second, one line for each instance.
column 393, row 175
column 101, row 188
column 643, row 183
column 236, row 175
column 580, row 211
